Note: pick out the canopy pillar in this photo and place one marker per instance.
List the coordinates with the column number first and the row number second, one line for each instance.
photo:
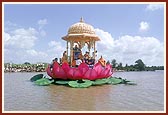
column 71, row 51
column 94, row 49
column 67, row 50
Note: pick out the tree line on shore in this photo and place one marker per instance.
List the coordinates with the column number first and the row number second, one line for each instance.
column 138, row 66
column 25, row 67
column 41, row 67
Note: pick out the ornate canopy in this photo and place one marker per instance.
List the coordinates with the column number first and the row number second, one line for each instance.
column 81, row 32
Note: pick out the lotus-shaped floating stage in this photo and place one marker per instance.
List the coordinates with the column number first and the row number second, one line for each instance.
column 83, row 71
column 86, row 74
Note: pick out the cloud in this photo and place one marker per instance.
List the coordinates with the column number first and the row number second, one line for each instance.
column 53, row 44
column 42, row 23
column 107, row 37
column 144, row 26
column 20, row 38
column 9, row 26
column 55, row 49
column 153, row 7
column 127, row 49
column 42, row 33
column 19, row 46
column 25, row 55
column 37, row 56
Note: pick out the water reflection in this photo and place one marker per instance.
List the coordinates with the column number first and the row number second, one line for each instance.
column 76, row 99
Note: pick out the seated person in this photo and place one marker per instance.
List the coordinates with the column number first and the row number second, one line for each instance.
column 102, row 61
column 86, row 56
column 51, row 65
column 54, row 60
column 78, row 62
column 90, row 61
column 73, row 64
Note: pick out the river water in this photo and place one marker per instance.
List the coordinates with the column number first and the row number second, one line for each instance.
column 148, row 95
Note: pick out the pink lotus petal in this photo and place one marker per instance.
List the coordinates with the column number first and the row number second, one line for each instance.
column 104, row 73
column 58, row 72
column 49, row 71
column 110, row 68
column 65, row 67
column 83, row 68
column 61, row 74
column 74, row 74
column 109, row 73
column 82, row 72
column 56, row 66
column 98, row 68
column 90, row 74
column 70, row 73
column 77, row 74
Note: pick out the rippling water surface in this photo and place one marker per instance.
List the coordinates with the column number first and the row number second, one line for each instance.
column 148, row 95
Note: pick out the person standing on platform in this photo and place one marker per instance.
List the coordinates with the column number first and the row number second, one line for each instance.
column 65, row 57
column 76, row 51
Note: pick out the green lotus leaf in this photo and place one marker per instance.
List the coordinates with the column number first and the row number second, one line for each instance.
column 80, row 84
column 61, row 82
column 130, row 83
column 43, row 82
column 100, row 81
column 127, row 82
column 36, row 77
column 124, row 81
column 114, row 81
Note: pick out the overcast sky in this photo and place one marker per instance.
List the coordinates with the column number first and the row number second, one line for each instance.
column 128, row 32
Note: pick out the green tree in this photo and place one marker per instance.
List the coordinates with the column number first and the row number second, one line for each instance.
column 140, row 66
column 120, row 67
column 126, row 67
column 108, row 62
column 114, row 63
column 27, row 63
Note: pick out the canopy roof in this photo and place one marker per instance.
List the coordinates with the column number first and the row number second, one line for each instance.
column 81, row 32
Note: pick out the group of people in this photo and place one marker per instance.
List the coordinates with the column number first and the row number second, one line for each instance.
column 88, row 59
column 64, row 59
column 78, row 58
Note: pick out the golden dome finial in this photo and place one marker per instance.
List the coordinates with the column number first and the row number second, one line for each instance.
column 81, row 19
